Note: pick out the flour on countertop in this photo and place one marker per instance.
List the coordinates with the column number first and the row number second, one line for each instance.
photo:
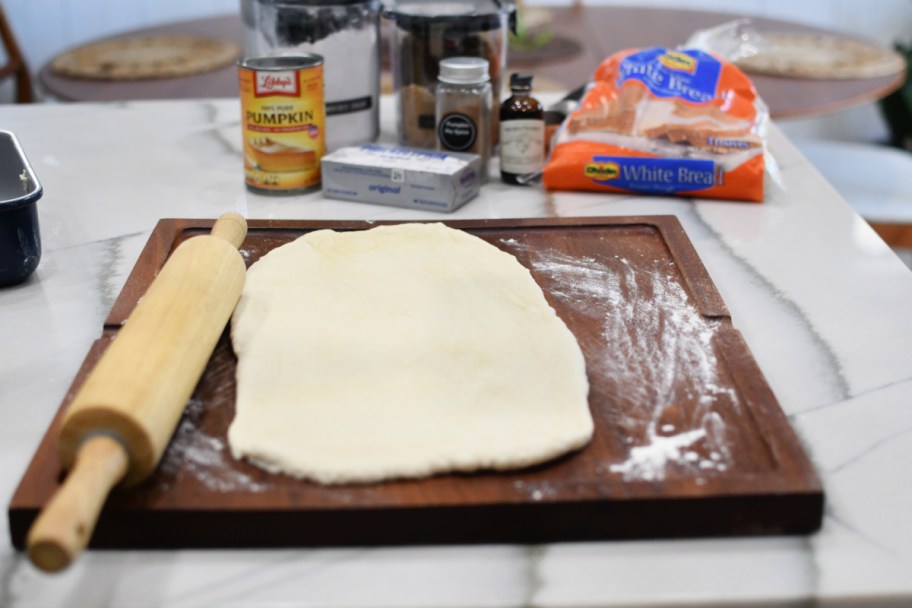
column 636, row 302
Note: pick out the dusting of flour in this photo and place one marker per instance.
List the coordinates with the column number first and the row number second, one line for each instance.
column 206, row 457
column 657, row 348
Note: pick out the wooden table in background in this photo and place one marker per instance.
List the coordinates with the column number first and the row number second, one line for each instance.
column 600, row 31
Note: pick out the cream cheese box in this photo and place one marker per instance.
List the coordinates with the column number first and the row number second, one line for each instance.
column 401, row 177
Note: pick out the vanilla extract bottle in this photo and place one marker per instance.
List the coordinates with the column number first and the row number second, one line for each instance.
column 522, row 133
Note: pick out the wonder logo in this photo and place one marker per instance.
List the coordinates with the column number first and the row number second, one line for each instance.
column 602, row 171
column 679, row 62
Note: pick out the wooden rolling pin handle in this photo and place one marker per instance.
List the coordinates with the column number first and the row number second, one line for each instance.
column 231, row 227
column 63, row 529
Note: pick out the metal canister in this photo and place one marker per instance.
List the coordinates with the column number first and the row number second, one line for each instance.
column 347, row 34
column 283, row 122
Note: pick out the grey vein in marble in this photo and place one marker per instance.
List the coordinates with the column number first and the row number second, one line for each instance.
column 284, row 567
column 790, row 307
column 535, row 554
column 110, row 280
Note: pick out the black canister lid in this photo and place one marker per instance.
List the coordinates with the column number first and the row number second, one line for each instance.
column 478, row 15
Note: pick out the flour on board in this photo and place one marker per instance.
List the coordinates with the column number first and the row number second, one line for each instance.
column 652, row 336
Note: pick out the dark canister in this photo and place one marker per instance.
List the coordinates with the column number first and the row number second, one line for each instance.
column 429, row 31
column 20, row 242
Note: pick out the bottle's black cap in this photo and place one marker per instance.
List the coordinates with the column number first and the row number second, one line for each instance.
column 521, row 81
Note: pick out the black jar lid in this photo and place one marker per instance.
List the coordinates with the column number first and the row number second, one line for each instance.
column 521, row 81
column 472, row 15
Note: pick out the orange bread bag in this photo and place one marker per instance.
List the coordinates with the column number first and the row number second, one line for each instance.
column 668, row 122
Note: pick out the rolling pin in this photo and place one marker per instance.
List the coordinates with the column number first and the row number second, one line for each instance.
column 123, row 416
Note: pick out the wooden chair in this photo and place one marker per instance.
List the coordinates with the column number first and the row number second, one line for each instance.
column 15, row 66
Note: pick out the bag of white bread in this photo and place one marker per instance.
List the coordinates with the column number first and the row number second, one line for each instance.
column 668, row 122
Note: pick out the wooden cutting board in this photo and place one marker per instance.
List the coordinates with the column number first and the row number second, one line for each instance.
column 689, row 439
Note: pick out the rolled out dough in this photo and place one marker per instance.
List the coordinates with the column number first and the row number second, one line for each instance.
column 401, row 351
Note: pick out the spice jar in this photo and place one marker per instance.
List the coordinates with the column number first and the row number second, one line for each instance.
column 522, row 133
column 346, row 33
column 463, row 109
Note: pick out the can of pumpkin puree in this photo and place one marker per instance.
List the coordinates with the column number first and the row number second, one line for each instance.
column 283, row 121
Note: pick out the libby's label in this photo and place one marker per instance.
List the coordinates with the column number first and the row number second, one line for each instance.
column 283, row 124
column 277, row 83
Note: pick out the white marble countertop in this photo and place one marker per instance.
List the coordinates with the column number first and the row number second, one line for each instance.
column 824, row 305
